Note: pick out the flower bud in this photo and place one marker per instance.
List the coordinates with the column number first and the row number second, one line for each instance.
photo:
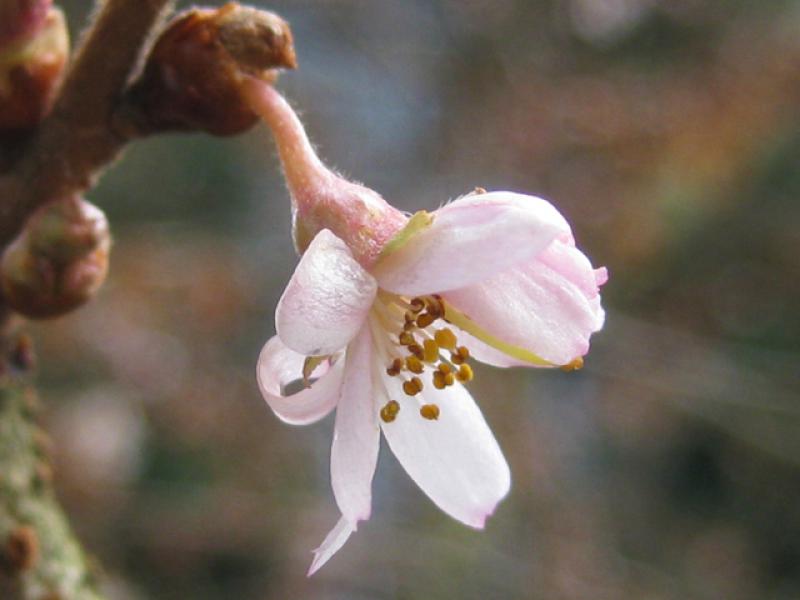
column 192, row 77
column 30, row 71
column 58, row 261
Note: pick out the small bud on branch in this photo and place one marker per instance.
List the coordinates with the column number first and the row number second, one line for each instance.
column 59, row 260
column 192, row 77
column 21, row 18
column 30, row 72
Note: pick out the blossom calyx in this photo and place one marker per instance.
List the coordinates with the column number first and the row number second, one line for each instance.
column 31, row 66
column 58, row 261
column 191, row 79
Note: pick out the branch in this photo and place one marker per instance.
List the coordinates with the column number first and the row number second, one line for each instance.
column 39, row 556
column 77, row 139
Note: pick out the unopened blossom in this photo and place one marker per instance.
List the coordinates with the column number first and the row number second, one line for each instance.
column 384, row 313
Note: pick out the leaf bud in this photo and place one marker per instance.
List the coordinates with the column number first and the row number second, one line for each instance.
column 58, row 261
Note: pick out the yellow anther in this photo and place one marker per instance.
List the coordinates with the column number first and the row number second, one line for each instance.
column 389, row 411
column 417, row 351
column 406, row 338
column 430, row 351
column 478, row 191
column 464, row 352
column 413, row 386
column 449, row 379
column 414, row 364
column 416, row 305
column 395, row 368
column 445, row 338
column 445, row 368
column 429, row 411
column 438, row 380
column 425, row 319
column 435, row 306
column 464, row 373
column 574, row 365
column 456, row 358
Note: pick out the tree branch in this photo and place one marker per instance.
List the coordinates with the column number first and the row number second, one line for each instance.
column 77, row 139
column 39, row 555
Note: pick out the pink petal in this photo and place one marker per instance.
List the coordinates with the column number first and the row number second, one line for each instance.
column 469, row 241
column 279, row 366
column 356, row 437
column 455, row 460
column 327, row 298
column 331, row 544
column 550, row 306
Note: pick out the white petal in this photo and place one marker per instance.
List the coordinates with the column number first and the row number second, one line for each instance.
column 356, row 436
column 326, row 300
column 331, row 544
column 470, row 240
column 455, row 460
column 279, row 366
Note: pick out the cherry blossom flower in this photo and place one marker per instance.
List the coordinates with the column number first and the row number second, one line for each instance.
column 384, row 312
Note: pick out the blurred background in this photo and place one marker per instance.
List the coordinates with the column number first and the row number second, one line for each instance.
column 668, row 133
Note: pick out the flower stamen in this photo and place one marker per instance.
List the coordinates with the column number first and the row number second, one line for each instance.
column 430, row 351
column 389, row 411
column 575, row 364
column 417, row 351
column 460, row 355
column 413, row 386
column 445, row 338
column 414, row 364
column 406, row 338
column 429, row 411
column 394, row 369
column 421, row 346
column 416, row 305
column 464, row 373
column 425, row 320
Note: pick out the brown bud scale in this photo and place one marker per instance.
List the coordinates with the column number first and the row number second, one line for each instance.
column 192, row 77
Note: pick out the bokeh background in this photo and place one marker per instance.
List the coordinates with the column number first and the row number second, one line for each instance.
column 667, row 132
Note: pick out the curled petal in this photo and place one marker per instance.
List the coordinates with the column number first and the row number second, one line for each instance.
column 278, row 366
column 331, row 544
column 468, row 241
column 549, row 307
column 356, row 437
column 454, row 459
column 326, row 300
